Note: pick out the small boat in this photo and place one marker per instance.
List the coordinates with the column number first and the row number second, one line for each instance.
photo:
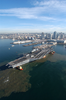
column 52, row 52
column 9, row 48
column 12, row 45
column 13, row 39
column 19, row 67
column 44, row 56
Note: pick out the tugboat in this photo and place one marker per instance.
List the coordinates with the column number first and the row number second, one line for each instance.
column 52, row 52
column 44, row 56
column 20, row 68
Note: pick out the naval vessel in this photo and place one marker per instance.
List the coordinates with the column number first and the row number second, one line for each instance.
column 35, row 54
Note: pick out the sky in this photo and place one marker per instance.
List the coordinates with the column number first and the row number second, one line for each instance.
column 32, row 16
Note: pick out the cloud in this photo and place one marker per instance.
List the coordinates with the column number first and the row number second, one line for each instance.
column 46, row 10
column 52, row 4
column 26, row 13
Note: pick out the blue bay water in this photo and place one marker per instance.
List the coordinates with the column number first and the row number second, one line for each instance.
column 60, row 49
column 7, row 54
column 44, row 79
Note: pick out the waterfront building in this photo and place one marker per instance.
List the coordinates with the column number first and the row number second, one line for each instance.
column 52, row 43
column 48, row 36
column 58, row 36
column 51, row 35
column 52, row 40
column 61, row 41
column 62, row 36
column 55, row 35
column 29, row 38
column 42, row 35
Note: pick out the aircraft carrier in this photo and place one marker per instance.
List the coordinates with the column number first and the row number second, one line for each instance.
column 35, row 54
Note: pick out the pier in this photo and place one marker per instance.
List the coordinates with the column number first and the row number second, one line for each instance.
column 21, row 42
column 43, row 46
column 32, row 44
column 36, row 41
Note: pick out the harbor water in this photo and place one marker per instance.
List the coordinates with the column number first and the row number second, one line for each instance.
column 43, row 79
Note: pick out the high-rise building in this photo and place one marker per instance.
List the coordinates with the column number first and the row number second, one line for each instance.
column 42, row 35
column 48, row 35
column 62, row 36
column 55, row 35
column 51, row 35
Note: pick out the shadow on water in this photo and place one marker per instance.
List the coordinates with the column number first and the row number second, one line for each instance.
column 46, row 84
column 4, row 67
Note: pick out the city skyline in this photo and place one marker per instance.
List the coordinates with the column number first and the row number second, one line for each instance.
column 32, row 16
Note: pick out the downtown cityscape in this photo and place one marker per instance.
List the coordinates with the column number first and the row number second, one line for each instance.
column 32, row 36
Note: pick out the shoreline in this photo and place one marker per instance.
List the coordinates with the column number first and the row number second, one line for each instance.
column 61, row 43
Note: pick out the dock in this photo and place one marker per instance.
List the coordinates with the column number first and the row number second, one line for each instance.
column 21, row 42
column 43, row 46
column 32, row 44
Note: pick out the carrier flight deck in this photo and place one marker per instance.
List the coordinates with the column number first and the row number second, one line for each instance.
column 35, row 54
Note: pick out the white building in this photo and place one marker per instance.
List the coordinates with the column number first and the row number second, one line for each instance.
column 52, row 40
column 52, row 43
column 61, row 41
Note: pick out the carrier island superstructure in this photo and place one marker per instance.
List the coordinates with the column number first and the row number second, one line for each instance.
column 35, row 54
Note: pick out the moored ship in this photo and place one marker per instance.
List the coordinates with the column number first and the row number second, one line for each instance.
column 35, row 54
